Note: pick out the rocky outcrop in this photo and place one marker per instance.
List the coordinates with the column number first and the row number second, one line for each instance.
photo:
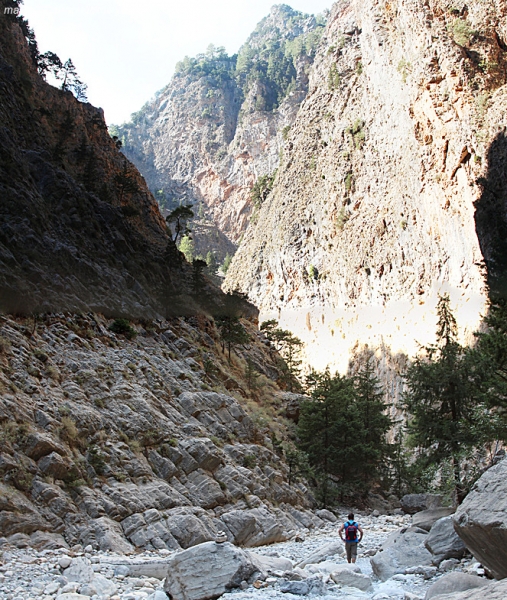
column 388, row 185
column 79, row 230
column 220, row 124
column 481, row 520
column 124, row 444
column 426, row 519
column 457, row 582
column 402, row 551
column 414, row 503
column 443, row 542
column 495, row 591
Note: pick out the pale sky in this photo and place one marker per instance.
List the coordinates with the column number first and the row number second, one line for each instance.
column 126, row 50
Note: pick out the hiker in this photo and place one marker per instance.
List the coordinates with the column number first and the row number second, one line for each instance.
column 351, row 539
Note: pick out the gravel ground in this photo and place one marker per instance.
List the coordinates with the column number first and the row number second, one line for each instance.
column 29, row 574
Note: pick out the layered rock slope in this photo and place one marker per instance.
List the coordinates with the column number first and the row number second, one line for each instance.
column 153, row 442
column 219, row 124
column 392, row 184
column 126, row 440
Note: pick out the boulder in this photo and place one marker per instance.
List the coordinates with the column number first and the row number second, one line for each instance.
column 136, row 567
column 268, row 564
column 322, row 553
column 399, row 553
column 188, row 530
column 427, row 518
column 413, row 503
column 481, row 520
column 326, row 515
column 443, row 542
column 329, row 566
column 109, row 536
column 268, row 531
column 80, row 570
column 298, row 588
column 303, row 588
column 38, row 445
column 204, row 452
column 206, row 571
column 456, row 582
column 496, row 591
column 347, row 577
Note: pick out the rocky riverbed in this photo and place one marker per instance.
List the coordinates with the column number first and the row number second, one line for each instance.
column 83, row 573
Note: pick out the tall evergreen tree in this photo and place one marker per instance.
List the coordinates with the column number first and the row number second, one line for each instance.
column 343, row 428
column 374, row 424
column 448, row 417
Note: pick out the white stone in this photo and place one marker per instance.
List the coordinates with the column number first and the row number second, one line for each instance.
column 207, row 571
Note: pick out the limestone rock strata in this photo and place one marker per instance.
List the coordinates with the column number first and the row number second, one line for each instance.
column 391, row 185
column 138, row 444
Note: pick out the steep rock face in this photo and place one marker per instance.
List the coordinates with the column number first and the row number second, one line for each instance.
column 219, row 124
column 79, row 229
column 154, row 442
column 390, row 188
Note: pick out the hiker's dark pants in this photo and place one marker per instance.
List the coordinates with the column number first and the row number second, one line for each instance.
column 351, row 548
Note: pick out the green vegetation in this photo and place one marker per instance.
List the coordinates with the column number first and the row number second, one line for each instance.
column 333, row 78
column 177, row 221
column 123, row 327
column 313, row 272
column 356, row 130
column 267, row 60
column 342, row 429
column 404, row 68
column 232, row 333
column 289, row 346
column 126, row 182
column 224, row 267
column 461, row 32
column 187, row 247
column 261, row 189
column 455, row 399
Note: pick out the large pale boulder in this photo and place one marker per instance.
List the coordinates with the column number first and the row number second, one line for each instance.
column 268, row 564
column 495, row 591
column 319, row 555
column 347, row 577
column 427, row 518
column 481, row 521
column 401, row 552
column 206, row 571
column 80, row 570
column 413, row 503
column 443, row 542
column 456, row 582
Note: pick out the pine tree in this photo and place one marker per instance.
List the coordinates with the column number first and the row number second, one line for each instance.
column 375, row 423
column 178, row 219
column 326, row 433
column 448, row 418
column 232, row 333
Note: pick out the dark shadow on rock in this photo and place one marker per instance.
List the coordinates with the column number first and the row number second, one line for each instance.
column 491, row 216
